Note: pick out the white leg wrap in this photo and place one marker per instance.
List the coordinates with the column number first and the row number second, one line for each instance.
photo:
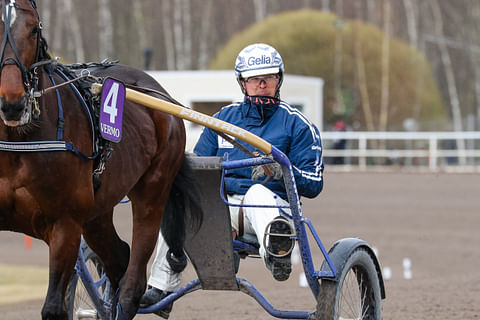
column 161, row 277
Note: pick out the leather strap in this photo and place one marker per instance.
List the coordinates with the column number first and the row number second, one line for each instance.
column 240, row 220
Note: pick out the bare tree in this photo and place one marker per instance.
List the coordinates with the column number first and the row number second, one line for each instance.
column 371, row 11
column 412, row 12
column 411, row 18
column 105, row 32
column 449, row 75
column 339, row 24
column 140, row 20
column 178, row 34
column 260, row 9
column 182, row 34
column 75, row 35
column 362, row 81
column 307, row 3
column 474, row 29
column 46, row 17
column 168, row 35
column 187, row 35
column 385, row 77
column 56, row 40
column 205, row 29
column 326, row 5
column 447, row 65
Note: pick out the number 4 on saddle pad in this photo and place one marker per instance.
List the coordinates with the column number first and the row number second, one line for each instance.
column 111, row 109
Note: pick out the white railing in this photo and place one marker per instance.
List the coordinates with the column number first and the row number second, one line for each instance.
column 434, row 151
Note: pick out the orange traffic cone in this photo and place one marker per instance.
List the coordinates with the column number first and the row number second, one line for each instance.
column 28, row 242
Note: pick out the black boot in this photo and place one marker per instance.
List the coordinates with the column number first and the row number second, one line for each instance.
column 279, row 249
column 154, row 295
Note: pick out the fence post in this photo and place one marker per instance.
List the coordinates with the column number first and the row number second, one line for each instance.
column 362, row 148
column 433, row 152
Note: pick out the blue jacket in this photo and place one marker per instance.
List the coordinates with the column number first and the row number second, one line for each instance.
column 284, row 127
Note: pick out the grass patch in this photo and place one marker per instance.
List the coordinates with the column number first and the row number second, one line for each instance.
column 21, row 283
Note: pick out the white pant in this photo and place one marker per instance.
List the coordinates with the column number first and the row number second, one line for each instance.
column 161, row 276
column 255, row 222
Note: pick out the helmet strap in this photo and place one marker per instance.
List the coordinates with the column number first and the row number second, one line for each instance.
column 280, row 81
column 240, row 80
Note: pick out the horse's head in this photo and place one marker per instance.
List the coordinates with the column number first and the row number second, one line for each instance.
column 20, row 44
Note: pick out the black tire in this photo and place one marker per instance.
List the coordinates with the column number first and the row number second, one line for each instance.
column 356, row 294
column 77, row 300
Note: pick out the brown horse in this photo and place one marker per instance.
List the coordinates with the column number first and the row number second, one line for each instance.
column 50, row 195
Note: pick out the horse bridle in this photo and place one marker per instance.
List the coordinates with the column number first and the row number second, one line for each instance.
column 30, row 81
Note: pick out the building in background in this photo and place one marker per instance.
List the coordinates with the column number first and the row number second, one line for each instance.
column 208, row 91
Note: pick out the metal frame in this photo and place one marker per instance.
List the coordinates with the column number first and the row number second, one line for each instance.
column 103, row 307
column 300, row 222
column 296, row 214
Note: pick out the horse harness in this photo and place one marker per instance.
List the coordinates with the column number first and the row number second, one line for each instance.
column 79, row 84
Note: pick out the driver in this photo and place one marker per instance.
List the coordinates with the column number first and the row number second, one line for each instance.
column 259, row 71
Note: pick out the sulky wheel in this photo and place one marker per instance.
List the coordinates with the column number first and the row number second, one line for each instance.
column 78, row 301
column 356, row 294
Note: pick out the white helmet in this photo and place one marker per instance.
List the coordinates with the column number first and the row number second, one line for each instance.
column 258, row 59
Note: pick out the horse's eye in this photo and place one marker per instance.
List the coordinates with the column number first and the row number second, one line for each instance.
column 35, row 30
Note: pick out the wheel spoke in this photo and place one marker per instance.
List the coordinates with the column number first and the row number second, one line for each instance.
column 83, row 305
column 350, row 299
column 79, row 302
column 86, row 314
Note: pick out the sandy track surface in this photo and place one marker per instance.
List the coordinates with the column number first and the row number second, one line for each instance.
column 432, row 219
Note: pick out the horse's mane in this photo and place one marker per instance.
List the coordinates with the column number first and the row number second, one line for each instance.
column 43, row 49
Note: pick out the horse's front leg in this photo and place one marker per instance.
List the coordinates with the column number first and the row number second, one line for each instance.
column 146, row 225
column 63, row 241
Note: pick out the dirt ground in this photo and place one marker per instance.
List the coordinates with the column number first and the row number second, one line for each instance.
column 431, row 219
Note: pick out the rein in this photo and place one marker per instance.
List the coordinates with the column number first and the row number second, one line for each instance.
column 221, row 134
column 39, row 93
